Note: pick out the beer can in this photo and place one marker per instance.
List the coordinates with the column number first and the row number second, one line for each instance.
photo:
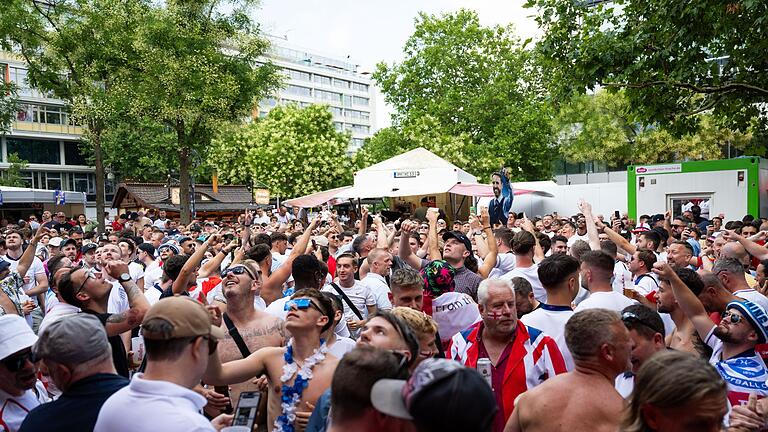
column 484, row 367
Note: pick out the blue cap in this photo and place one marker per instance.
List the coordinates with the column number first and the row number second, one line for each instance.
column 755, row 315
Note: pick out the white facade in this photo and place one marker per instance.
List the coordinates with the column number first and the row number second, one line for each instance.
column 313, row 78
column 43, row 135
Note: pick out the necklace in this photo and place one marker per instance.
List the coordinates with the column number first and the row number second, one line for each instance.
column 291, row 394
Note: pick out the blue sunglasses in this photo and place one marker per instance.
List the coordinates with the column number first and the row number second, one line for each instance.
column 300, row 304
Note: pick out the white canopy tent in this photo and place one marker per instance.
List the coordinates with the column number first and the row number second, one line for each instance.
column 416, row 172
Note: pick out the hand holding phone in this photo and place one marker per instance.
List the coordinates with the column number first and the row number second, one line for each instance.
column 247, row 406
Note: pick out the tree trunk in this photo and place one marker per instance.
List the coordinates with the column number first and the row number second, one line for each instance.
column 100, row 190
column 184, row 183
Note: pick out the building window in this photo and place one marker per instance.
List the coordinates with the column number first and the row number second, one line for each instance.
column 360, row 87
column 35, row 151
column 339, row 126
column 299, row 91
column 360, row 129
column 268, row 103
column 26, row 177
column 339, row 83
column 347, row 100
column 357, row 143
column 335, row 111
column 53, row 181
column 360, row 100
column 321, row 79
column 327, row 96
column 72, row 155
column 299, row 75
column 50, row 114
column 358, row 115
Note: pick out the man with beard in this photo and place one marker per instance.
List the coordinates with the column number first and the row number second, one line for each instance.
column 499, row 207
column 744, row 325
column 683, row 337
column 248, row 329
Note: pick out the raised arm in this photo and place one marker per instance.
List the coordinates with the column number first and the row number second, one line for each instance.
column 586, row 210
column 382, row 238
column 212, row 264
column 363, row 222
column 489, row 262
column 434, row 245
column 25, row 262
column 180, row 284
column 689, row 303
column 476, row 228
column 138, row 304
column 615, row 237
column 238, row 370
column 271, row 289
column 754, row 249
column 405, row 252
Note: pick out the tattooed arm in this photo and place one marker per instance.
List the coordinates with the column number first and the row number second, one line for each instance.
column 122, row 322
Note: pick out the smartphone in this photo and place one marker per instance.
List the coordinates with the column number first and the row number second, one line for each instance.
column 616, row 215
column 247, row 406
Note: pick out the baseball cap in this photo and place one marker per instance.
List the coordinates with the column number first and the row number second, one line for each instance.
column 4, row 265
column 465, row 399
column 754, row 314
column 69, row 241
column 63, row 340
column 321, row 240
column 458, row 235
column 55, row 242
column 187, row 317
column 657, row 218
column 88, row 247
column 641, row 228
column 15, row 335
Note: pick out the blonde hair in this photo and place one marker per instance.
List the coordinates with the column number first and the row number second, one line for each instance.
column 421, row 323
column 671, row 379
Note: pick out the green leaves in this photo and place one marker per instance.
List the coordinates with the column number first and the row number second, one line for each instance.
column 12, row 176
column 294, row 151
column 461, row 92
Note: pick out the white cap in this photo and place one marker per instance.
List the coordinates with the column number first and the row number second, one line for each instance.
column 55, row 242
column 15, row 335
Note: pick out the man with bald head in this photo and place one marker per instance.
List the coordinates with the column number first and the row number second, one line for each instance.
column 730, row 271
column 379, row 263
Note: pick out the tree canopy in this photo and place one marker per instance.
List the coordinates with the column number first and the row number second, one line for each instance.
column 294, row 151
column 673, row 59
column 475, row 85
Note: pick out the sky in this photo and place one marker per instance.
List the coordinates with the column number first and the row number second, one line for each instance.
column 373, row 31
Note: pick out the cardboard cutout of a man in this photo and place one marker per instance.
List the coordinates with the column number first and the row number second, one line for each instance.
column 500, row 205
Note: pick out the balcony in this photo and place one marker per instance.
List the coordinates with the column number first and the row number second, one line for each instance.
column 47, row 128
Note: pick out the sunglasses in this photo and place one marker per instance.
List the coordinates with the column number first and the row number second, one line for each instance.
column 734, row 318
column 237, row 270
column 17, row 362
column 300, row 304
column 629, row 316
column 88, row 275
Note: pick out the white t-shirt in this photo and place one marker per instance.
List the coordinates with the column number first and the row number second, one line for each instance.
column 378, row 286
column 152, row 405
column 15, row 409
column 36, row 268
column 277, row 261
column 160, row 223
column 118, row 299
column 505, row 263
column 532, row 275
column 622, row 277
column 342, row 346
column 753, row 296
column 136, row 271
column 624, row 384
column 360, row 295
column 551, row 320
column 646, row 284
column 454, row 312
column 152, row 275
column 605, row 300
column 276, row 308
column 575, row 237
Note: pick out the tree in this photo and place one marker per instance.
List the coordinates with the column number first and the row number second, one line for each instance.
column 9, row 104
column 196, row 67
column 294, row 151
column 603, row 127
column 12, row 176
column 474, row 83
column 673, row 59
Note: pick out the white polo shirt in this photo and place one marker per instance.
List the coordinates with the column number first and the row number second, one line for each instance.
column 152, row 405
column 379, row 288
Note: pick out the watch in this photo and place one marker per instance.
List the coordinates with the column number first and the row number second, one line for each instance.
column 125, row 277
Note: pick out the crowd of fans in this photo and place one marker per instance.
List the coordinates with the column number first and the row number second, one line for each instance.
column 346, row 323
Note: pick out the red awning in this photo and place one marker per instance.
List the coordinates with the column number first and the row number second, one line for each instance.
column 315, row 199
column 486, row 190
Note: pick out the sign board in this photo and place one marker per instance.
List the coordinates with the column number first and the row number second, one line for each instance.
column 59, row 197
column 659, row 169
column 406, row 174
column 261, row 196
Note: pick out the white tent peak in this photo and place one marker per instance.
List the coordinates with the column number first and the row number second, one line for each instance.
column 418, row 158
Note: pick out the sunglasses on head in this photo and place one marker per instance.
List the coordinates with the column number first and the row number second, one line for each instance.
column 16, row 363
column 237, row 270
column 629, row 316
column 300, row 304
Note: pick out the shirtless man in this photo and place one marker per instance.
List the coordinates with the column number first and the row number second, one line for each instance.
column 310, row 314
column 683, row 338
column 600, row 345
column 240, row 284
